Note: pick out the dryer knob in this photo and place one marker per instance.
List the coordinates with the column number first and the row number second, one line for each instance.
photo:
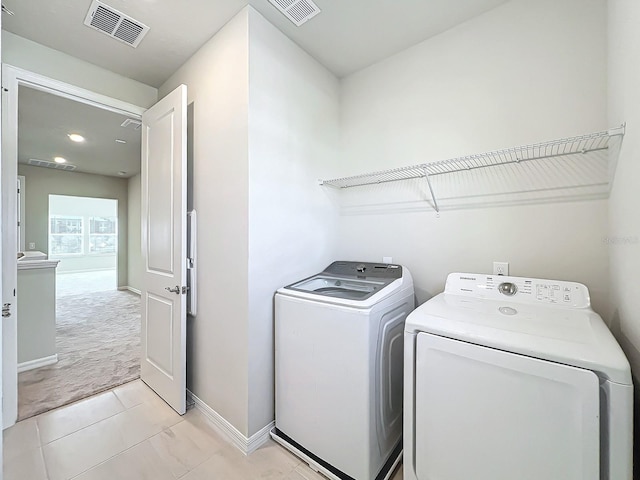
column 508, row 288
column 361, row 268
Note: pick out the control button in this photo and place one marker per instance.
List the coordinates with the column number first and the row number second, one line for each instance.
column 508, row 288
column 361, row 268
column 507, row 310
column 567, row 297
column 556, row 287
column 567, row 289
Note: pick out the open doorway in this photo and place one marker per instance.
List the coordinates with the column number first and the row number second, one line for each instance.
column 79, row 165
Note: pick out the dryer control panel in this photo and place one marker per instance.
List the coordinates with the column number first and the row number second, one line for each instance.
column 519, row 289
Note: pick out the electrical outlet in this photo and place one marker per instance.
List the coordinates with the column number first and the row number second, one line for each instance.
column 32, row 245
column 501, row 268
column 387, row 259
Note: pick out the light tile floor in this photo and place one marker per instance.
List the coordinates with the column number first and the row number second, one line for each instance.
column 129, row 433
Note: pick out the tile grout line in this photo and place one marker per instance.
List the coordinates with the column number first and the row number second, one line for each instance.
column 41, row 448
column 123, row 451
column 89, row 425
column 44, row 463
column 112, row 456
column 190, row 469
column 119, row 399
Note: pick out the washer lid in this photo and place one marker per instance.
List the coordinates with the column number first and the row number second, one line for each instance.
column 559, row 333
column 337, row 287
column 351, row 281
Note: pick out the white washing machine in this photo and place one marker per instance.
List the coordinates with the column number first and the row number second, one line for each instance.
column 514, row 378
column 338, row 360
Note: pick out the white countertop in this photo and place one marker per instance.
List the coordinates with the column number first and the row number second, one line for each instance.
column 35, row 264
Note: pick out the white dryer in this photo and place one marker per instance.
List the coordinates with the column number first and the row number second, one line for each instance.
column 514, row 378
column 338, row 361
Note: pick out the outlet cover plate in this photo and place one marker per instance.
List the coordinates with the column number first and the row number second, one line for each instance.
column 501, row 268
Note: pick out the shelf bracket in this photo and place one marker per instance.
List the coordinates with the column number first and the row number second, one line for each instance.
column 618, row 131
column 433, row 196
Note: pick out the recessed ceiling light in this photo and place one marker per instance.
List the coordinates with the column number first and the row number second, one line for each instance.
column 60, row 160
column 119, row 140
column 75, row 137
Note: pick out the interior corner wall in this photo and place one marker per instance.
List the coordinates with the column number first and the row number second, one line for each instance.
column 41, row 182
column 293, row 141
column 624, row 226
column 217, row 81
column 134, row 252
column 32, row 56
column 521, row 73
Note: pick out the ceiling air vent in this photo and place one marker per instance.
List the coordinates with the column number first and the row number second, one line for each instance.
column 131, row 124
column 298, row 11
column 116, row 24
column 44, row 163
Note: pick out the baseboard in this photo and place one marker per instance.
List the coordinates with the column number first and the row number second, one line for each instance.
column 259, row 438
column 244, row 444
column 131, row 289
column 37, row 363
column 90, row 270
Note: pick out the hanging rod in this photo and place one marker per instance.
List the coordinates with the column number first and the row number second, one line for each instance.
column 581, row 144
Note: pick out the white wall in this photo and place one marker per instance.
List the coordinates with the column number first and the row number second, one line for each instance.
column 134, row 252
column 522, row 73
column 624, row 220
column 293, row 141
column 265, row 128
column 32, row 56
column 216, row 77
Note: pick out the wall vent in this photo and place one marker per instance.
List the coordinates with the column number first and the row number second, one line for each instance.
column 131, row 124
column 44, row 163
column 116, row 24
column 298, row 11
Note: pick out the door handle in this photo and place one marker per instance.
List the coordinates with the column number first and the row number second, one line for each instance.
column 177, row 290
column 6, row 310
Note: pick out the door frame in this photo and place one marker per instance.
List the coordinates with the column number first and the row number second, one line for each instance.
column 12, row 78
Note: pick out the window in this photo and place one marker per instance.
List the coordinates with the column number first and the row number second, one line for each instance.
column 65, row 235
column 102, row 234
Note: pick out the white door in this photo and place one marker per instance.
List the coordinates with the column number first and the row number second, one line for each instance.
column 164, row 243
column 485, row 414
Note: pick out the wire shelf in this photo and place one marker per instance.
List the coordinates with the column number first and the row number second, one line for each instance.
column 581, row 144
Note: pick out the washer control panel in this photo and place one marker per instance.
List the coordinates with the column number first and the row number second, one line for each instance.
column 519, row 289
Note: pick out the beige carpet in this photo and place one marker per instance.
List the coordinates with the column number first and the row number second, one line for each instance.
column 98, row 343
